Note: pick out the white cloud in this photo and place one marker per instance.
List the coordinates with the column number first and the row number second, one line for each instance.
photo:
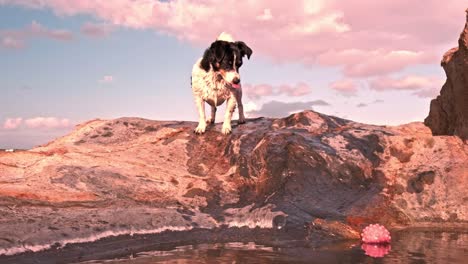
column 47, row 122
column 12, row 123
column 250, row 107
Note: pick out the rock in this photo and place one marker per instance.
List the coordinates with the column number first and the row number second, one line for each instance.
column 132, row 176
column 332, row 228
column 448, row 113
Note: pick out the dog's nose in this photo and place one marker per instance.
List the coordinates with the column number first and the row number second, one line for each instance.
column 236, row 80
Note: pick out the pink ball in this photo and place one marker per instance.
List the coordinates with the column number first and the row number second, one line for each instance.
column 375, row 234
column 376, row 250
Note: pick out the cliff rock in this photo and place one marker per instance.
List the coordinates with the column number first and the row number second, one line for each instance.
column 448, row 113
column 299, row 176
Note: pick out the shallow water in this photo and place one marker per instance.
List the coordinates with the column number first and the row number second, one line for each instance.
column 408, row 246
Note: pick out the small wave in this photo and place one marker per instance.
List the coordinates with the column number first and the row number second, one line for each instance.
column 92, row 238
column 262, row 217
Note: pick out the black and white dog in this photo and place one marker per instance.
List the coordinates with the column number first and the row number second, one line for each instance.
column 216, row 79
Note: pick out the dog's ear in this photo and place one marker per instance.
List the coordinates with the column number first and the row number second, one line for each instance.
column 207, row 60
column 219, row 50
column 213, row 55
column 244, row 49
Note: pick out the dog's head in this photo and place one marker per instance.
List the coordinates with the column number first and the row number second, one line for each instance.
column 225, row 58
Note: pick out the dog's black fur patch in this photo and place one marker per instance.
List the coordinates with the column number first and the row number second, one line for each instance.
column 220, row 55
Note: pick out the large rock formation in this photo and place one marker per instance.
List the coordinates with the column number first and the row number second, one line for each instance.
column 448, row 113
column 136, row 176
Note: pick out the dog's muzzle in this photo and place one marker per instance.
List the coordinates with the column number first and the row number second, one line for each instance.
column 235, row 83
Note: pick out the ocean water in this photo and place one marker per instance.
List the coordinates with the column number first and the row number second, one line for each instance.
column 407, row 246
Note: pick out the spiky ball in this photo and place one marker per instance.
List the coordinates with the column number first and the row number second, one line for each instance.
column 375, row 234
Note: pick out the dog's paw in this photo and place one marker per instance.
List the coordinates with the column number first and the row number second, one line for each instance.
column 209, row 121
column 241, row 121
column 200, row 129
column 226, row 129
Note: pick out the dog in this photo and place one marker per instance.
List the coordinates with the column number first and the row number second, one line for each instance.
column 215, row 80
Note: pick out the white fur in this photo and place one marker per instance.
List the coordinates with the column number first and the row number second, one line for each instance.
column 208, row 88
column 230, row 75
column 225, row 37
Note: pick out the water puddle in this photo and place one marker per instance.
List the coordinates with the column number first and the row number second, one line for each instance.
column 408, row 246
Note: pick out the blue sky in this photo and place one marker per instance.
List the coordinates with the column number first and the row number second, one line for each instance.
column 61, row 78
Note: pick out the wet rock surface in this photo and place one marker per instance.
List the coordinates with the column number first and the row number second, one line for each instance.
column 449, row 111
column 307, row 176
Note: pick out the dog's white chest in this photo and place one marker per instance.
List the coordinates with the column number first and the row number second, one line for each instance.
column 208, row 86
column 215, row 93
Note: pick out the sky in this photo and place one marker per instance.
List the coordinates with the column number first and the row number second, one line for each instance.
column 65, row 62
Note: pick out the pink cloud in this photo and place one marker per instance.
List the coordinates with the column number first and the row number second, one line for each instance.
column 299, row 89
column 345, row 87
column 47, row 122
column 36, row 29
column 107, row 79
column 11, row 42
column 12, row 123
column 96, row 30
column 410, row 82
column 362, row 37
column 363, row 63
column 422, row 86
column 266, row 15
column 428, row 93
column 255, row 92
column 16, row 39
column 37, row 123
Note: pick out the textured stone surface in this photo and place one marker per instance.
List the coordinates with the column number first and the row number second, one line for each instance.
column 308, row 170
column 448, row 113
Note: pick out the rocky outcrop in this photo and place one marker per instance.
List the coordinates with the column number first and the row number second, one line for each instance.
column 448, row 113
column 132, row 176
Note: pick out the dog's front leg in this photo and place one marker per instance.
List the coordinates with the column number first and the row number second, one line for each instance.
column 213, row 116
column 201, row 112
column 230, row 107
column 240, row 107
